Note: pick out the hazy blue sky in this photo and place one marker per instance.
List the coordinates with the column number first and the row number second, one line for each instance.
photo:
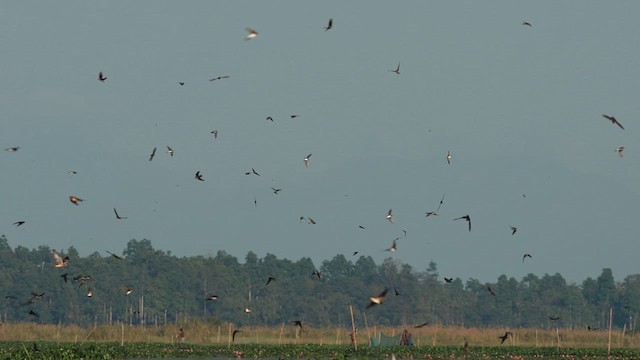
column 519, row 108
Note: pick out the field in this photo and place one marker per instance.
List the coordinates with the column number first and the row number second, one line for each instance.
column 35, row 341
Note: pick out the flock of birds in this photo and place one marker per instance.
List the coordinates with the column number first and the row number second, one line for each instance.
column 62, row 262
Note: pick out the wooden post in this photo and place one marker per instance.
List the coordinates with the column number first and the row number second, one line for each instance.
column 218, row 340
column 281, row 333
column 558, row 337
column 366, row 324
column 353, row 329
column 229, row 338
column 610, row 318
column 122, row 335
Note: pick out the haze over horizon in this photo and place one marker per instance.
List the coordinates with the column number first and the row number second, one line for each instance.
column 519, row 108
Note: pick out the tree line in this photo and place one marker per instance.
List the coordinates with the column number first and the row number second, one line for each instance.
column 145, row 286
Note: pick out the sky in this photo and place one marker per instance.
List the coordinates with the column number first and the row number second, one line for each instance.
column 519, row 108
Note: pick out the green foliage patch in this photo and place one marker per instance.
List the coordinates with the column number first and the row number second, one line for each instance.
column 71, row 351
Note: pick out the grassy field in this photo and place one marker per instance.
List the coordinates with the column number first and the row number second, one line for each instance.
column 212, row 334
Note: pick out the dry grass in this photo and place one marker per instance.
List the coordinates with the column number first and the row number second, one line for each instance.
column 202, row 333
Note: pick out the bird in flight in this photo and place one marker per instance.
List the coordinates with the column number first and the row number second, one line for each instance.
column 448, row 280
column 316, row 273
column 389, row 216
column 311, row 221
column 101, row 77
column 199, row 176
column 490, row 290
column 211, row 298
column 504, row 337
column 329, row 25
column 269, row 118
column 293, row 116
column 396, row 70
column 361, row 227
column 118, row 215
column 275, row 191
column 526, row 256
column 113, row 255
column 181, row 83
column 448, row 157
column 233, row 335
column 89, row 292
column 127, row 290
column 252, row 34
column 355, row 253
column 153, row 153
column 613, row 120
column 513, row 230
column 269, row 280
column 220, row 77
column 467, row 218
column 247, row 310
column 435, row 213
column 393, row 247
column 75, row 200
column 33, row 313
column 306, row 160
column 526, row 23
column 620, row 151
column 421, row 325
column 19, row 223
column 12, row 149
column 253, row 171
column 169, row 150
column 396, row 292
column 215, row 134
column 298, row 323
column 377, row 300
column 553, row 318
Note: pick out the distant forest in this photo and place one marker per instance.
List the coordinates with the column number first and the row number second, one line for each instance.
column 163, row 288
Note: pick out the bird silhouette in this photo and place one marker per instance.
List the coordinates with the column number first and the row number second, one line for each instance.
column 355, row 253
column 113, row 255
column 298, row 323
column 65, row 277
column 275, row 191
column 89, row 292
column 620, row 151
column 448, row 157
column 377, row 300
column 233, row 335
column 396, row 70
column 526, row 23
column 252, row 34
column 199, row 176
column 153, row 153
column 526, row 256
column 118, row 215
column 467, row 218
column 19, row 223
column 316, row 273
column 181, row 83
column 215, row 134
column 311, row 221
column 101, row 77
column 60, row 261
column 211, row 298
column 396, row 292
column 33, row 313
column 306, row 160
column 253, row 171
column 553, row 318
column 329, row 25
column 12, row 149
column 513, row 230
column 127, row 290
column 269, row 280
column 389, row 216
column 220, row 78
column 169, row 150
column 269, row 118
column 421, row 325
column 504, row 337
column 293, row 116
column 75, row 200
column 361, row 227
column 490, row 290
column 448, row 280
column 430, row 213
column 613, row 120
